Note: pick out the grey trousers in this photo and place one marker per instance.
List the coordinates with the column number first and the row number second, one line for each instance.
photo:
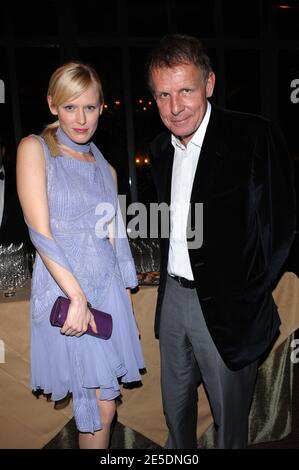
column 188, row 358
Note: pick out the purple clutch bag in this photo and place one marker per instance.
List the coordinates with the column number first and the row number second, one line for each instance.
column 102, row 320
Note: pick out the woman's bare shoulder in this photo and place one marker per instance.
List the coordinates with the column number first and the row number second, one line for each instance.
column 30, row 146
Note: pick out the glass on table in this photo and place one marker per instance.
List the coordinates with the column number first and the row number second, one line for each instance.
column 14, row 270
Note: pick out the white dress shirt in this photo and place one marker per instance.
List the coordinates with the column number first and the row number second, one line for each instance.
column 183, row 171
column 2, row 188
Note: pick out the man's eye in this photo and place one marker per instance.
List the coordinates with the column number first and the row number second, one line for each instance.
column 69, row 108
column 163, row 95
column 186, row 91
column 91, row 108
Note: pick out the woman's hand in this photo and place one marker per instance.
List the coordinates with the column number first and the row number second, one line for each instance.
column 78, row 318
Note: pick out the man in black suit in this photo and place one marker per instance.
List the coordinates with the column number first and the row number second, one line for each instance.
column 215, row 314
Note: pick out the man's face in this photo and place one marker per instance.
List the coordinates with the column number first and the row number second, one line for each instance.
column 181, row 96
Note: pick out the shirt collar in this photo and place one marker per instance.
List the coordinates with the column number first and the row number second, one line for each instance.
column 199, row 135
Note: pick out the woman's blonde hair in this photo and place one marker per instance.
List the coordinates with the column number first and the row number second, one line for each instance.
column 68, row 82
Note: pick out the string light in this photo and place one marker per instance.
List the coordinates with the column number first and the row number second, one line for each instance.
column 142, row 160
column 143, row 105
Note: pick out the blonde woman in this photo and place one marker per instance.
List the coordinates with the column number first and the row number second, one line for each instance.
column 65, row 186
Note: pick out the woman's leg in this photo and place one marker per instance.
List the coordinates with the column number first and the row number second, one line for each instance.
column 100, row 439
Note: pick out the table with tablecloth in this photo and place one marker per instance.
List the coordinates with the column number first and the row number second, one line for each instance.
column 30, row 423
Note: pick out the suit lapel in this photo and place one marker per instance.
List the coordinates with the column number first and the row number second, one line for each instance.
column 209, row 162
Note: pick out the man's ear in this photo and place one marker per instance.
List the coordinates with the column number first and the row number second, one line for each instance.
column 52, row 108
column 210, row 84
column 101, row 108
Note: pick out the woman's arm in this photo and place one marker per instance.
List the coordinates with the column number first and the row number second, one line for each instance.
column 31, row 186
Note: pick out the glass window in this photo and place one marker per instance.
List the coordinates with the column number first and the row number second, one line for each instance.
column 36, row 18
column 147, row 124
column 287, row 19
column 146, row 18
column 241, row 19
column 195, row 18
column 111, row 134
column 96, row 18
column 146, row 119
column 242, row 73
column 34, row 66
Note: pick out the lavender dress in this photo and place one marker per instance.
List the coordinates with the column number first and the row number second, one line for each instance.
column 82, row 198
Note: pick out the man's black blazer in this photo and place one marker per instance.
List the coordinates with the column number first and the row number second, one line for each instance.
column 244, row 180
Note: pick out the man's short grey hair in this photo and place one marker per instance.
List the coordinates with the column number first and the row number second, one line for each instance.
column 176, row 49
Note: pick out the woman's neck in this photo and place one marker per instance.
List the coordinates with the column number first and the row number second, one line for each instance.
column 63, row 139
